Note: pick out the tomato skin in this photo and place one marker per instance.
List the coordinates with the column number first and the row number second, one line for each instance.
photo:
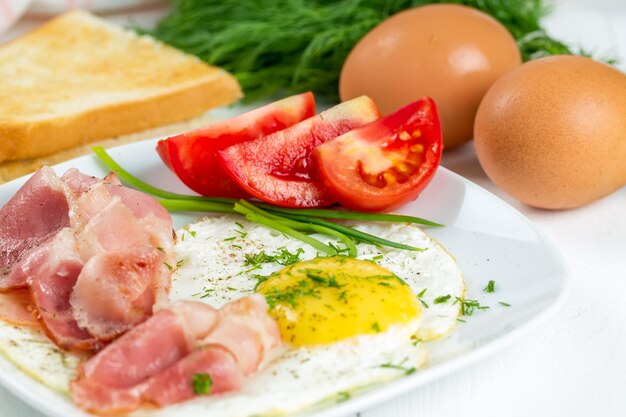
column 278, row 168
column 343, row 164
column 192, row 156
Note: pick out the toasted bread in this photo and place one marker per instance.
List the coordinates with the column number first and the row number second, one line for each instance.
column 79, row 79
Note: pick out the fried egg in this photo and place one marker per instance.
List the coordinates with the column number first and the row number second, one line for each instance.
column 346, row 324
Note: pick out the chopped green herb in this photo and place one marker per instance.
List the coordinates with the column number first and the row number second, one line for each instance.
column 419, row 297
column 160, row 249
column 168, row 266
column 442, row 299
column 469, row 306
column 242, row 234
column 502, row 303
column 461, row 320
column 260, row 280
column 328, row 281
column 491, row 286
column 407, row 371
column 343, row 296
column 292, row 294
column 207, row 292
column 377, row 257
column 240, row 225
column 284, row 257
column 228, row 239
column 180, row 263
column 416, row 341
column 376, row 327
column 192, row 233
column 236, row 246
column 343, row 396
column 202, row 384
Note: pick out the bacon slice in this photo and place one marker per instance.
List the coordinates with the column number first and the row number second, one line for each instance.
column 142, row 205
column 17, row 308
column 91, row 252
column 157, row 360
column 115, row 291
column 52, row 276
column 34, row 215
column 246, row 331
column 175, row 383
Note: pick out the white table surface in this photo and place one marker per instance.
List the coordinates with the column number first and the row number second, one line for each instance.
column 575, row 363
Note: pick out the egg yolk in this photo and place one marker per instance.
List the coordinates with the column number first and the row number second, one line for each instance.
column 329, row 299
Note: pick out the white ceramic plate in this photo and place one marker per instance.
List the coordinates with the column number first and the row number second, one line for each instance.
column 489, row 238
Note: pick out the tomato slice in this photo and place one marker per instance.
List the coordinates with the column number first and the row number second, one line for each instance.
column 193, row 155
column 278, row 169
column 386, row 163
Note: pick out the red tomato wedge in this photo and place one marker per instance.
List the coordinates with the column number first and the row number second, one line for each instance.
column 386, row 163
column 278, row 169
column 193, row 155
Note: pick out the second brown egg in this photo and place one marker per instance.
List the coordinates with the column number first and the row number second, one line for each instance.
column 449, row 52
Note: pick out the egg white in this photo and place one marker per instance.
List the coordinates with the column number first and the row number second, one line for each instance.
column 212, row 268
column 211, row 257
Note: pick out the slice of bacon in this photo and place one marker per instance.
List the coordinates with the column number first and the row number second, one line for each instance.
column 175, row 383
column 116, row 290
column 51, row 281
column 17, row 308
column 156, row 361
column 71, row 238
column 141, row 204
column 246, row 331
column 34, row 215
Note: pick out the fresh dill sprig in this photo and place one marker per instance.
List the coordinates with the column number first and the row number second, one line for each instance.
column 300, row 45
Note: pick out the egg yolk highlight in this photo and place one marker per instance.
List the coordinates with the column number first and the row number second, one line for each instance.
column 325, row 300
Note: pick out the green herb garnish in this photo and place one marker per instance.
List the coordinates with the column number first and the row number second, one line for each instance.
column 442, row 299
column 201, row 384
column 469, row 306
column 343, row 396
column 291, row 295
column 284, row 257
column 406, row 370
column 419, row 297
column 376, row 327
column 491, row 287
column 502, row 303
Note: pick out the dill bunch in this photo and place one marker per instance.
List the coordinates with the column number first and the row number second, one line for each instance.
column 292, row 46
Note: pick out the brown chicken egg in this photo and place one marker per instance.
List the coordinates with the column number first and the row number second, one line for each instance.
column 451, row 53
column 552, row 133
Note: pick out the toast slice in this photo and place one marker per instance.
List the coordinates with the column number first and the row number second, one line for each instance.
column 79, row 79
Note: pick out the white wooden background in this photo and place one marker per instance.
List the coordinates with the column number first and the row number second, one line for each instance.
column 575, row 364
